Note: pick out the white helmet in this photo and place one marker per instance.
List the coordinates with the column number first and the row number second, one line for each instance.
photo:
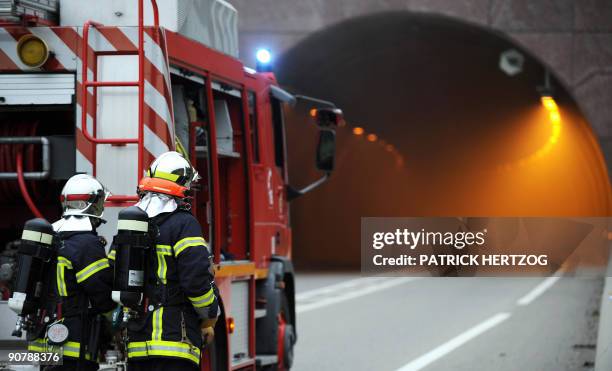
column 83, row 195
column 170, row 174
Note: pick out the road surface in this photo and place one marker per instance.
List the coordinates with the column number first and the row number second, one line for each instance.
column 348, row 322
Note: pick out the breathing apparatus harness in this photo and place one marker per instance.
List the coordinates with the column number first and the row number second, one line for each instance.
column 136, row 248
column 37, row 256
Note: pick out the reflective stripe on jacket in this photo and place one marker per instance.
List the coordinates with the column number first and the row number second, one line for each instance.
column 69, row 349
column 83, row 279
column 181, row 263
column 161, row 348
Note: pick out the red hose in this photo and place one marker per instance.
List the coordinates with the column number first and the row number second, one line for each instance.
column 8, row 156
column 23, row 188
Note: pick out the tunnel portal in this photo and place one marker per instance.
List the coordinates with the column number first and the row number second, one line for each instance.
column 446, row 132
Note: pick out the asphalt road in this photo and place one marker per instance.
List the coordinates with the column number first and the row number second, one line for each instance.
column 346, row 322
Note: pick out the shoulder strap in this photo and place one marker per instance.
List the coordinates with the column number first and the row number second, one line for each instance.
column 165, row 294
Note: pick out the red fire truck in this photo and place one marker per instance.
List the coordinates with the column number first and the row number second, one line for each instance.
column 87, row 87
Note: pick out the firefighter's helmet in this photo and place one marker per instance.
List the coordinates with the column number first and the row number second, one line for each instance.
column 169, row 174
column 83, row 195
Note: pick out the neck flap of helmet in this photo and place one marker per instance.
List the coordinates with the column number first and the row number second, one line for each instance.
column 73, row 223
column 156, row 203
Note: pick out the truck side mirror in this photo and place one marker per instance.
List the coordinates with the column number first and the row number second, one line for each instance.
column 326, row 150
column 327, row 117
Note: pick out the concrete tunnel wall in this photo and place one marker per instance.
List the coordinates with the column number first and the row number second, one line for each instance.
column 466, row 139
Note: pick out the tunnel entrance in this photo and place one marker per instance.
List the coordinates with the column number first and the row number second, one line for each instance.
column 445, row 132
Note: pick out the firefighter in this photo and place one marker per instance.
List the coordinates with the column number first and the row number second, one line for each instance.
column 180, row 303
column 83, row 278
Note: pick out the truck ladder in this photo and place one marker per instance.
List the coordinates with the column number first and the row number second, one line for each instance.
column 96, row 84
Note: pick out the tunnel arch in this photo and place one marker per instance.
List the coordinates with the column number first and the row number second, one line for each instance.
column 466, row 139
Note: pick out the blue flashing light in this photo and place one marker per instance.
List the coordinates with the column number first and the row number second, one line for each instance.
column 263, row 56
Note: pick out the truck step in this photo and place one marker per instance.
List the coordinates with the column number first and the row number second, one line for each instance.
column 266, row 360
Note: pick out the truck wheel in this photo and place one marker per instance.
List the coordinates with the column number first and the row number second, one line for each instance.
column 286, row 338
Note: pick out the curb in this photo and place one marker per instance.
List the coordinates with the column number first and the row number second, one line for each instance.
column 603, row 354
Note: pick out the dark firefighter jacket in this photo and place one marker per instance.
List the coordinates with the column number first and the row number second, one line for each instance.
column 83, row 284
column 179, row 291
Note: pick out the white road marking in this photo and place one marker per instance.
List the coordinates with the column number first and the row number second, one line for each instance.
column 331, row 288
column 454, row 343
column 538, row 290
column 346, row 291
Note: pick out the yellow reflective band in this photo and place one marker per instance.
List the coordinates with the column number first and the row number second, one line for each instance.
column 59, row 271
column 203, row 300
column 72, row 349
column 165, row 349
column 64, row 261
column 91, row 269
column 164, row 175
column 36, row 348
column 111, row 255
column 162, row 266
column 37, row 345
column 187, row 242
column 158, row 316
column 137, row 349
column 164, row 248
column 174, row 349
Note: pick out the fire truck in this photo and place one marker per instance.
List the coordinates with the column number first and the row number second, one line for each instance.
column 103, row 87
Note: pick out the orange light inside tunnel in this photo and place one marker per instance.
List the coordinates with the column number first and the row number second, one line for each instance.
column 389, row 148
column 549, row 103
column 358, row 131
column 372, row 137
column 554, row 120
column 555, row 117
column 313, row 112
